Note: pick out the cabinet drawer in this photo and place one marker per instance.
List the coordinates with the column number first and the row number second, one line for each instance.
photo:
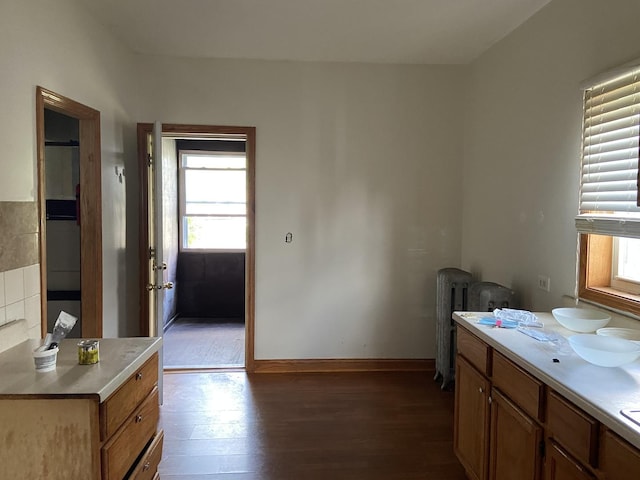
column 518, row 385
column 124, row 400
column 126, row 445
column 148, row 465
column 576, row 431
column 619, row 459
column 474, row 350
column 560, row 465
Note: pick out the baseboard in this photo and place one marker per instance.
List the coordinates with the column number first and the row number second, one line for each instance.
column 344, row 365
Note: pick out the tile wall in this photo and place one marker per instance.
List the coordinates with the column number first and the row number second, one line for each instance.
column 19, row 273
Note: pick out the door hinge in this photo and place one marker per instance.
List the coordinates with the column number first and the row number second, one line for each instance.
column 149, row 159
column 152, row 253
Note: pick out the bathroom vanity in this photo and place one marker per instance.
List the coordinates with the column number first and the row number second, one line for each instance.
column 527, row 409
column 95, row 421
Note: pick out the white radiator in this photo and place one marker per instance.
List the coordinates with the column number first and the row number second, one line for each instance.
column 456, row 292
column 451, row 289
column 487, row 296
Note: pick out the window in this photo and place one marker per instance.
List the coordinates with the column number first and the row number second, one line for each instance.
column 609, row 218
column 213, row 200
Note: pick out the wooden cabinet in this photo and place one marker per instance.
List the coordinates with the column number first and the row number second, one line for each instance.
column 570, row 427
column 561, row 466
column 471, row 419
column 495, row 437
column 69, row 436
column 129, row 420
column 619, row 460
column 498, row 431
column 510, row 425
column 530, row 430
column 516, row 441
column 525, row 390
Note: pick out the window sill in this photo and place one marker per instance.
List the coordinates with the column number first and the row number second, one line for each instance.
column 610, row 297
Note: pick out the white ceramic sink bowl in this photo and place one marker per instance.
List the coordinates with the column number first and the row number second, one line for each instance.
column 583, row 320
column 604, row 351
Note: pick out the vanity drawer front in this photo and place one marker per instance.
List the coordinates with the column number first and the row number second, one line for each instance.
column 619, row 460
column 126, row 445
column 522, row 388
column 474, row 350
column 576, row 431
column 124, row 400
column 148, row 465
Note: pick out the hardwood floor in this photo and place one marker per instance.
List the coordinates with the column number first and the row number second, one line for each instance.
column 346, row 426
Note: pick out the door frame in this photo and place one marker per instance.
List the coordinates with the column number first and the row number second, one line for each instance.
column 90, row 208
column 200, row 132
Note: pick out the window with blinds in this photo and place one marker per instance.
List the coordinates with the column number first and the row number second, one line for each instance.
column 609, row 216
column 609, row 203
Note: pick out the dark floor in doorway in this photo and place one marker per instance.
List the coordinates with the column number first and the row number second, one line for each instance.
column 204, row 343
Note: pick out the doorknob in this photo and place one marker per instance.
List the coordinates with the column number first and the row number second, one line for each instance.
column 168, row 285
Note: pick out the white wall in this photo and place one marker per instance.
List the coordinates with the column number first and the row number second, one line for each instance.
column 362, row 164
column 522, row 148
column 62, row 49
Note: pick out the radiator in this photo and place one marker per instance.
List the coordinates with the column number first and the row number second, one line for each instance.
column 451, row 291
column 487, row 296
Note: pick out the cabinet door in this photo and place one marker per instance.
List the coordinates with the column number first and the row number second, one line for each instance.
column 620, row 460
column 516, row 442
column 471, row 420
column 561, row 466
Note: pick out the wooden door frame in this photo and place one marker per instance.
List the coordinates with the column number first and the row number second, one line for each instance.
column 90, row 208
column 200, row 132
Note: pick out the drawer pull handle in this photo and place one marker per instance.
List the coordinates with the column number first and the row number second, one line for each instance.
column 138, row 418
column 481, row 390
column 139, row 376
column 146, row 467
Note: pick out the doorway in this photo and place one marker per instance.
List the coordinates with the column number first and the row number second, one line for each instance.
column 70, row 212
column 210, row 316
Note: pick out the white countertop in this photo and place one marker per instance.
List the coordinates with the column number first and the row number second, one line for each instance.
column 119, row 358
column 599, row 391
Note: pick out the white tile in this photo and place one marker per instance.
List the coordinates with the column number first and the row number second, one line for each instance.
column 1, row 289
column 32, row 311
column 12, row 335
column 3, row 318
column 15, row 311
column 13, row 285
column 32, row 280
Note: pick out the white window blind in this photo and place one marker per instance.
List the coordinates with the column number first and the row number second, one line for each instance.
column 609, row 182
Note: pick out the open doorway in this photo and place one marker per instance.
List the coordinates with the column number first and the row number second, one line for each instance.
column 70, row 210
column 207, row 189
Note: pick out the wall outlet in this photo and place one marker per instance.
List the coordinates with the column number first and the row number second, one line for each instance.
column 544, row 283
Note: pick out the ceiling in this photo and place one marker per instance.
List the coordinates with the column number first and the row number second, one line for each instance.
column 377, row 31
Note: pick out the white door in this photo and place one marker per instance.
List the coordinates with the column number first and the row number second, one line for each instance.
column 156, row 260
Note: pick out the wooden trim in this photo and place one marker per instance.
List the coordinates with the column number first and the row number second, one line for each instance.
column 42, row 216
column 168, row 370
column 250, row 255
column 202, row 132
column 595, row 274
column 344, row 365
column 598, row 250
column 90, row 207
